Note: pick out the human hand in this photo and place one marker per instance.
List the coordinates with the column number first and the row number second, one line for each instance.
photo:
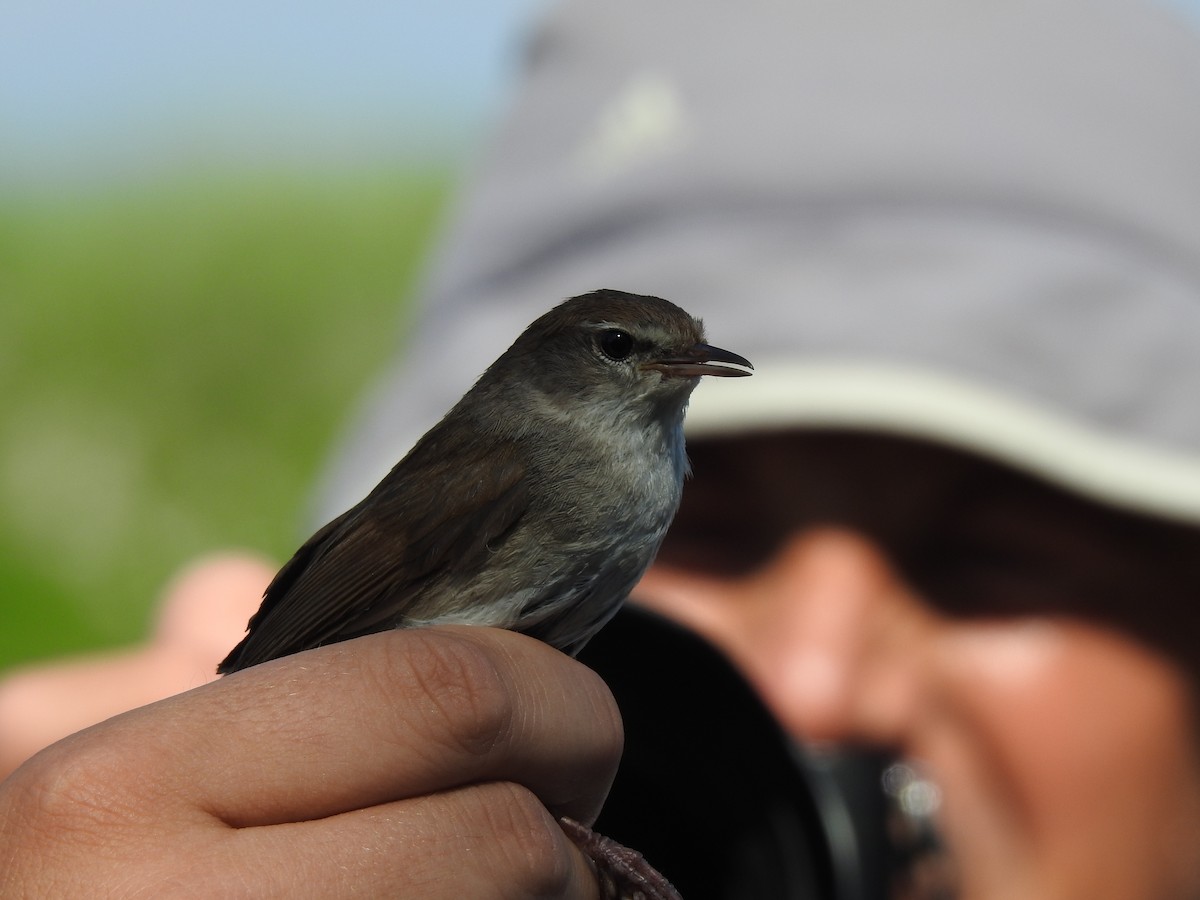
column 430, row 762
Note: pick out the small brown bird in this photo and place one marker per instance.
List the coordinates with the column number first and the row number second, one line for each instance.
column 537, row 502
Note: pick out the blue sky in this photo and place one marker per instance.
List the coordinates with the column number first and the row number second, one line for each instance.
column 117, row 88
column 111, row 88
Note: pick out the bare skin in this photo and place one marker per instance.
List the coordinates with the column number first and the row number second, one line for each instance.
column 1065, row 752
column 305, row 778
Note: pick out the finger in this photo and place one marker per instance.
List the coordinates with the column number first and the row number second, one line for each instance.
column 204, row 608
column 493, row 840
column 377, row 719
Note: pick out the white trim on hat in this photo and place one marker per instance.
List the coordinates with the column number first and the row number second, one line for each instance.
column 1153, row 478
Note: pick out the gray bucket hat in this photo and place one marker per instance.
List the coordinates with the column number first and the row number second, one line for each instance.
column 977, row 223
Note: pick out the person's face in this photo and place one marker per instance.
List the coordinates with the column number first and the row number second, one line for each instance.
column 1063, row 746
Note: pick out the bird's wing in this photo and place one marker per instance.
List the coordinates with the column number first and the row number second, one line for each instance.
column 360, row 572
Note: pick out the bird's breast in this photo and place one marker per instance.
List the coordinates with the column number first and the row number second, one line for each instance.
column 645, row 474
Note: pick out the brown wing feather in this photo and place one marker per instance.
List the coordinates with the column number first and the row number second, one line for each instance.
column 362, row 571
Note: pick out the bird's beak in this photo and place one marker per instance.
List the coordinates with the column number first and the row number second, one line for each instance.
column 700, row 360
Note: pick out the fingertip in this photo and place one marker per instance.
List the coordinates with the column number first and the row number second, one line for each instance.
column 205, row 606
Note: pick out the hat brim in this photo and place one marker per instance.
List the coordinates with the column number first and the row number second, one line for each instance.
column 924, row 403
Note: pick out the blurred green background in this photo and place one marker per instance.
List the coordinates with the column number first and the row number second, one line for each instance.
column 212, row 220
column 176, row 355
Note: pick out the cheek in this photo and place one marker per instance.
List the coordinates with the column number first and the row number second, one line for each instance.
column 1087, row 742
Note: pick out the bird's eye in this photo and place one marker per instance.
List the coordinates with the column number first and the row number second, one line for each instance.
column 615, row 344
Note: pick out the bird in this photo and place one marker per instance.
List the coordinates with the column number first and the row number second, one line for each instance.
column 535, row 504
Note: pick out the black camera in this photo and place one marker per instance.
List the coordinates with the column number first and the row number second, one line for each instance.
column 721, row 802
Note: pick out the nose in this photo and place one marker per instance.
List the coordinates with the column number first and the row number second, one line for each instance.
column 826, row 631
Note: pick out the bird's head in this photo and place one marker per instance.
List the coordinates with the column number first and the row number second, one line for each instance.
column 619, row 350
